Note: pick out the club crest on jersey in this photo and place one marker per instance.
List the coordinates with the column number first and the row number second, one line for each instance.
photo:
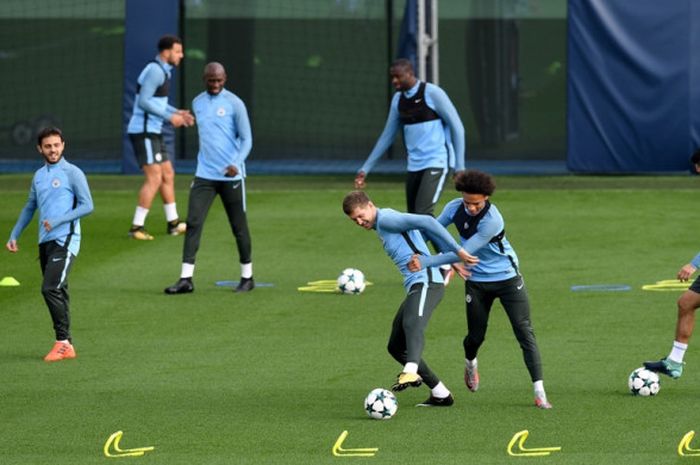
column 221, row 111
column 56, row 183
column 466, row 225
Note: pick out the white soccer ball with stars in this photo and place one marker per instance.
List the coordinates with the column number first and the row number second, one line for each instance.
column 381, row 404
column 351, row 281
column 643, row 382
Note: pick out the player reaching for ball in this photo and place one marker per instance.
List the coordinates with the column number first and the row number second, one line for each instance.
column 401, row 237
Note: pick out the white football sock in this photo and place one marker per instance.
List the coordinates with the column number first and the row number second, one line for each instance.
column 140, row 216
column 440, row 391
column 170, row 211
column 678, row 351
column 187, row 270
column 471, row 363
column 410, row 367
column 538, row 387
column 247, row 270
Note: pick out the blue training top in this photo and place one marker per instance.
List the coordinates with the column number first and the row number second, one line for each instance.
column 225, row 137
column 401, row 237
column 151, row 106
column 497, row 259
column 431, row 144
column 60, row 191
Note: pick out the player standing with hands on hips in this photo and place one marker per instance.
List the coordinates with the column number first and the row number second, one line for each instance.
column 225, row 140
column 432, row 132
column 151, row 110
column 60, row 192
column 402, row 236
column 497, row 276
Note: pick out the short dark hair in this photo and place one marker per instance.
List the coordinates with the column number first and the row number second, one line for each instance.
column 695, row 159
column 167, row 41
column 474, row 182
column 404, row 63
column 353, row 200
column 49, row 131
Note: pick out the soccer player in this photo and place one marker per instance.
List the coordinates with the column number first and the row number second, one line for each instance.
column 688, row 302
column 496, row 276
column 401, row 237
column 151, row 110
column 433, row 135
column 60, row 192
column 225, row 140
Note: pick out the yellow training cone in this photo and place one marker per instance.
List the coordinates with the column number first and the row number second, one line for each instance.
column 9, row 281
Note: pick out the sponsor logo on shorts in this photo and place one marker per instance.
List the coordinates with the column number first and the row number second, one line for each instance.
column 158, row 157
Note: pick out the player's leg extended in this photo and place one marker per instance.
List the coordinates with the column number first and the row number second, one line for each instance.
column 56, row 263
column 202, row 195
column 688, row 303
column 515, row 301
column 429, row 189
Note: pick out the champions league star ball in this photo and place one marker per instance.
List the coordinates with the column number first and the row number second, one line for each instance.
column 351, row 281
column 643, row 382
column 381, row 404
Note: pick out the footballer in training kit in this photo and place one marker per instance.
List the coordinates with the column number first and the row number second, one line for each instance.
column 402, row 237
column 482, row 233
column 60, row 192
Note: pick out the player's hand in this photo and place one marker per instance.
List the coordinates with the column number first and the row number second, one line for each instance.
column 414, row 264
column 360, row 180
column 462, row 271
column 12, row 246
column 467, row 258
column 231, row 171
column 182, row 118
column 47, row 225
column 686, row 272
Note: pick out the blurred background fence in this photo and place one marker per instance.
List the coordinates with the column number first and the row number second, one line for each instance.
column 313, row 73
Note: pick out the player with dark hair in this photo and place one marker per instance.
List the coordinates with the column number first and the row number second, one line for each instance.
column 402, row 236
column 433, row 135
column 60, row 192
column 497, row 276
column 151, row 110
column 225, row 140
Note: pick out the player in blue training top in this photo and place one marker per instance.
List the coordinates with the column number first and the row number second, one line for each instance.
column 402, row 236
column 225, row 140
column 497, row 276
column 432, row 132
column 60, row 192
column 151, row 110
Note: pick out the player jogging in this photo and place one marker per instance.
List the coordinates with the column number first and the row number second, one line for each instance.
column 496, row 276
column 401, row 237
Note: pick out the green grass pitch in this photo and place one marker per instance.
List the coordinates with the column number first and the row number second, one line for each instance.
column 275, row 376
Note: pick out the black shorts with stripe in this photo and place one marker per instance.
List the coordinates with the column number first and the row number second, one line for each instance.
column 149, row 148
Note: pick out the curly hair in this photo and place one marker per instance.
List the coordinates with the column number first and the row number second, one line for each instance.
column 474, row 182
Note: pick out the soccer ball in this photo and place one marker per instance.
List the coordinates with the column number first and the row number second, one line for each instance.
column 381, row 404
column 643, row 382
column 351, row 281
